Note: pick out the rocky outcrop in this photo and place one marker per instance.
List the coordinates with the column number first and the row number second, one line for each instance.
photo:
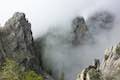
column 111, row 65
column 109, row 69
column 16, row 39
column 91, row 73
column 80, row 31
column 16, row 42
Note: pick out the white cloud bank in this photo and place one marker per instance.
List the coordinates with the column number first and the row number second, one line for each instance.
column 45, row 13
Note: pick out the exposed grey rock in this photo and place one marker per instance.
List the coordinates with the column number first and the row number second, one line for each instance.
column 109, row 69
column 16, row 41
column 81, row 31
column 111, row 64
column 91, row 73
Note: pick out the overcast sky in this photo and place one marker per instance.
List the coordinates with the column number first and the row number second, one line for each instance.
column 45, row 13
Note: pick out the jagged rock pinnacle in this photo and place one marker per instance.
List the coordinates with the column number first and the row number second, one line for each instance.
column 110, row 66
column 91, row 73
column 109, row 69
column 16, row 42
column 80, row 30
column 16, row 38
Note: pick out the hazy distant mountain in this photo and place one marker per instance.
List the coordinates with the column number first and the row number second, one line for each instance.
column 100, row 21
column 61, row 52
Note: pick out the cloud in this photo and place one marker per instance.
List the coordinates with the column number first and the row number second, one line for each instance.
column 60, row 55
column 46, row 13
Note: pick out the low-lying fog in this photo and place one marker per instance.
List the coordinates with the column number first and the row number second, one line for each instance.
column 55, row 17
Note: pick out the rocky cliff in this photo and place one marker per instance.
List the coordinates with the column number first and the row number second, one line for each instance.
column 16, row 42
column 16, row 39
column 80, row 31
column 109, row 69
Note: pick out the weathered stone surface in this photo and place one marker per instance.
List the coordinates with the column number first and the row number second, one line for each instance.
column 109, row 69
column 91, row 73
column 111, row 64
column 80, row 31
column 16, row 41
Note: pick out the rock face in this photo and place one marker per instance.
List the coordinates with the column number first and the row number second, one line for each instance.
column 111, row 64
column 109, row 69
column 16, row 39
column 16, row 42
column 80, row 30
column 91, row 73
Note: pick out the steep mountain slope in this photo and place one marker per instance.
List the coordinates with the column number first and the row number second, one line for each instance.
column 16, row 42
column 109, row 69
column 16, row 39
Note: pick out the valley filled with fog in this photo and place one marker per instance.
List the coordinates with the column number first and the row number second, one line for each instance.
column 53, row 22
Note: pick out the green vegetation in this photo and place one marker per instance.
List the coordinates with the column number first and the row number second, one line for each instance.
column 118, row 49
column 94, row 74
column 10, row 70
column 13, row 71
column 31, row 75
column 62, row 76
